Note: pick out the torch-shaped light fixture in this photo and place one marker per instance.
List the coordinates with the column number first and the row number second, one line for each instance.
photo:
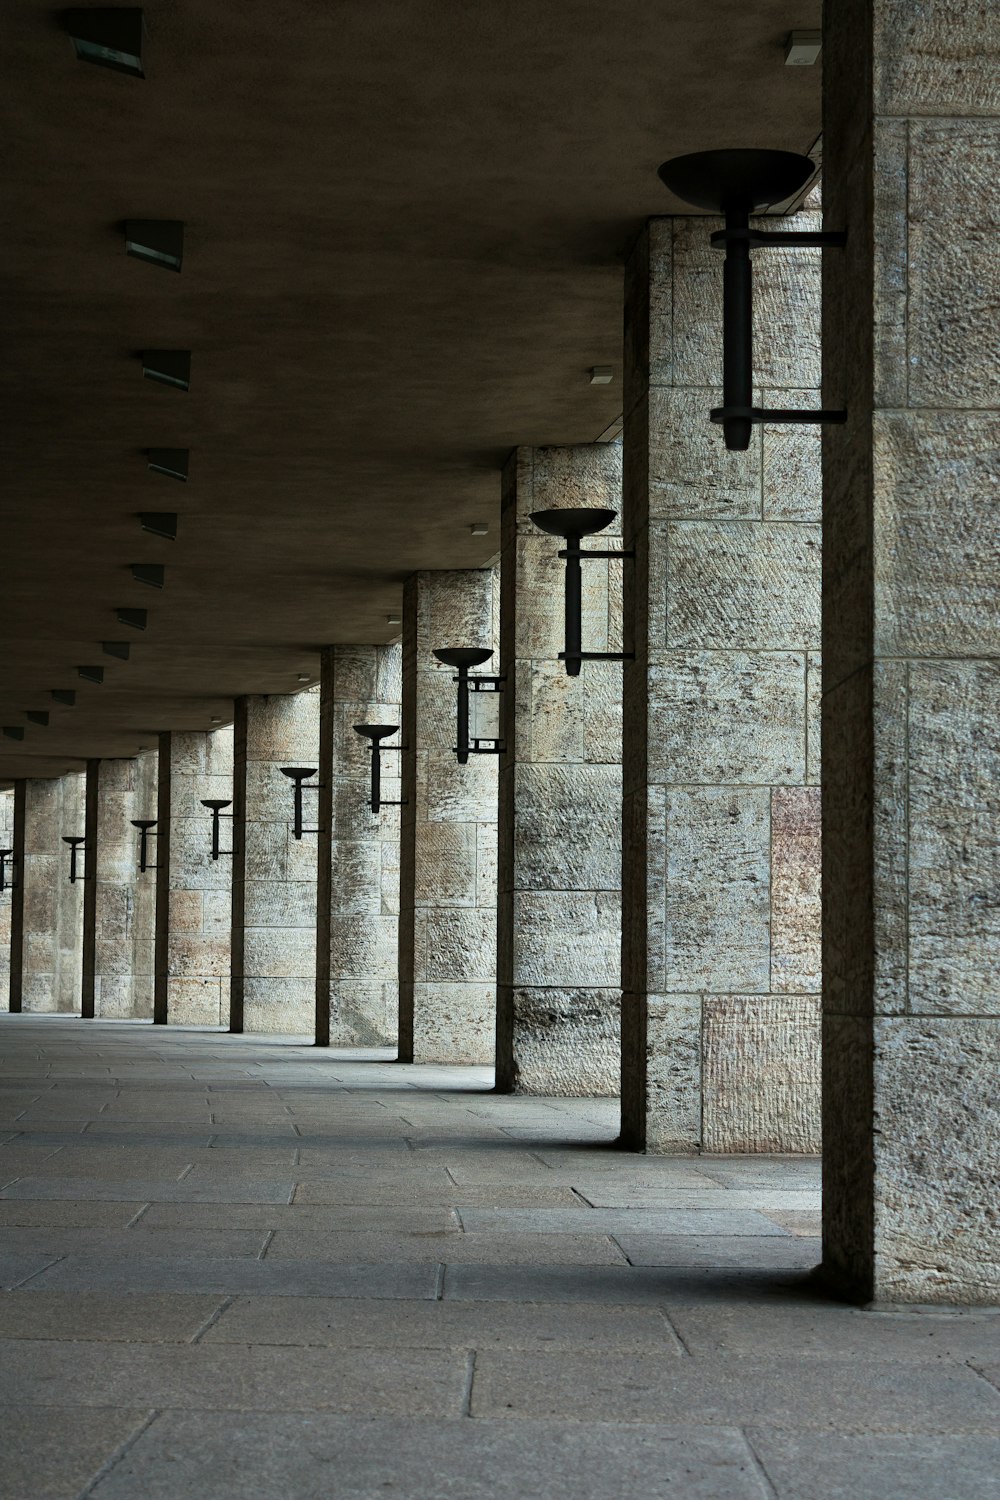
column 462, row 658
column 376, row 733
column 297, row 775
column 5, row 882
column 215, row 806
column 77, row 842
column 574, row 524
column 145, row 827
column 738, row 184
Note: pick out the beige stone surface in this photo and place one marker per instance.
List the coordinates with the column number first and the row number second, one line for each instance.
column 749, row 586
column 761, row 1079
column 796, row 958
column 195, row 978
column 52, row 908
column 447, row 867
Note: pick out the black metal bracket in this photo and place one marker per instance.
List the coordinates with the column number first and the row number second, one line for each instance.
column 462, row 658
column 572, row 525
column 738, row 183
column 297, row 775
column 5, row 884
column 76, row 843
column 145, row 827
column 376, row 733
column 215, row 806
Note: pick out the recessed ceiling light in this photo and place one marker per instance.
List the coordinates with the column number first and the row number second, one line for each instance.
column 92, row 674
column 802, row 48
column 13, row 731
column 137, row 618
column 601, row 374
column 215, row 719
column 304, row 677
column 159, row 523
column 37, row 716
column 64, row 695
column 112, row 38
column 170, row 461
column 120, row 649
column 394, row 619
column 151, row 573
column 480, row 528
column 158, row 241
column 168, row 366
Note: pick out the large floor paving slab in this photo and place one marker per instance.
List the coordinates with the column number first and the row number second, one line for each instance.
column 239, row 1267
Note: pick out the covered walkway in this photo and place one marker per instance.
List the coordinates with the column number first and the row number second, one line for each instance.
column 239, row 1267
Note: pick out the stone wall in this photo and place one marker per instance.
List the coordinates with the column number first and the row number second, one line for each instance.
column 6, row 897
column 559, row 903
column 124, row 905
column 357, row 934
column 273, row 983
column 51, row 909
column 195, row 891
column 447, row 924
column 911, row 646
column 721, row 963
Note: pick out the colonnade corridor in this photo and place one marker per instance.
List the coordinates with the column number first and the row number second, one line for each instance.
column 241, row 1266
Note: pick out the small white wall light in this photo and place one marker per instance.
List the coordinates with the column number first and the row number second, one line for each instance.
column 802, row 48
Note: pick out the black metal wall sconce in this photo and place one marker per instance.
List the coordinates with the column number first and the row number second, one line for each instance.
column 737, row 184
column 298, row 775
column 462, row 658
column 6, row 882
column 145, row 827
column 376, row 733
column 215, row 806
column 77, row 845
column 572, row 525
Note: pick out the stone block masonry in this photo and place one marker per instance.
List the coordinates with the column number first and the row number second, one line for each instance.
column 273, row 976
column 559, row 901
column 448, row 914
column 194, row 895
column 7, row 799
column 124, row 899
column 911, row 770
column 721, row 854
column 46, row 911
column 357, row 933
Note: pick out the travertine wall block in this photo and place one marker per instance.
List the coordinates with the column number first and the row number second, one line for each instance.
column 910, row 760
column 357, row 903
column 7, row 898
column 46, row 911
column 125, row 899
column 559, row 909
column 273, row 949
column 448, row 832
column 721, row 746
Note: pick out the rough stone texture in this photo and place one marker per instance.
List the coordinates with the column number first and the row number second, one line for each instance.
column 357, row 909
column 46, row 911
column 559, row 906
column 448, row 832
column 720, row 921
column 910, row 765
column 273, row 969
column 7, row 798
column 196, row 891
column 124, row 899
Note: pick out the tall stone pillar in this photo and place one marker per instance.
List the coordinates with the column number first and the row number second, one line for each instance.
column 447, row 902
column 911, row 1041
column 357, row 905
column 194, row 892
column 47, row 912
column 8, row 900
column 273, row 977
column 720, row 950
column 559, row 875
column 124, row 898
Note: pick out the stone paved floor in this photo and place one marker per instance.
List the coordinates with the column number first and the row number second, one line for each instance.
column 239, row 1267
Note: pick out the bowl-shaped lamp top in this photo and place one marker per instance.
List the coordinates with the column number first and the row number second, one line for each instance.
column 743, row 180
column 581, row 521
column 463, row 656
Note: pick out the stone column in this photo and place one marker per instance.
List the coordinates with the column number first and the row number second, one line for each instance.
column 447, row 911
column 273, row 980
column 559, row 877
column 912, row 678
column 47, row 917
column 8, row 899
column 720, row 955
column 357, row 904
column 194, row 892
column 124, row 899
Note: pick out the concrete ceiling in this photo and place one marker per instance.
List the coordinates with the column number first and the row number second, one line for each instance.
column 406, row 222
